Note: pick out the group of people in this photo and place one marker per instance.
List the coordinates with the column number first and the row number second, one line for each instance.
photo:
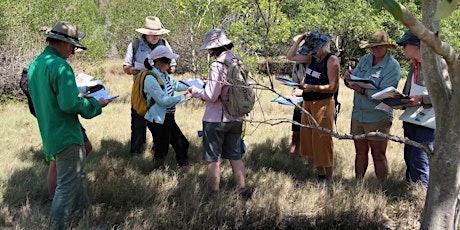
column 221, row 132
column 318, row 70
column 58, row 105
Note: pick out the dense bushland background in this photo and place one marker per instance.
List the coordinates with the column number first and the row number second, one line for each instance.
column 127, row 193
column 261, row 30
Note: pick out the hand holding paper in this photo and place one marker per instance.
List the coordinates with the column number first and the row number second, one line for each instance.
column 362, row 82
column 198, row 83
column 288, row 100
column 287, row 82
column 103, row 93
column 392, row 97
column 85, row 84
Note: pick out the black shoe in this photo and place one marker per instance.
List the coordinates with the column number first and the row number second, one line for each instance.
column 137, row 153
column 245, row 194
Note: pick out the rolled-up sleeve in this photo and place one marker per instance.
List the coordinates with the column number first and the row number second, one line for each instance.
column 155, row 92
column 213, row 88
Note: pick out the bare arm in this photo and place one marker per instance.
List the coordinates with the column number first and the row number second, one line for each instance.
column 292, row 54
column 130, row 70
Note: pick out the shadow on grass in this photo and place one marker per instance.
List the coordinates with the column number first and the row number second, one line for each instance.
column 125, row 189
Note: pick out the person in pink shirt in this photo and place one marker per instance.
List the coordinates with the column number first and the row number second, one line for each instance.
column 221, row 132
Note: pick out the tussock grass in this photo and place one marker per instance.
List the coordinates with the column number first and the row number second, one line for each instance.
column 127, row 193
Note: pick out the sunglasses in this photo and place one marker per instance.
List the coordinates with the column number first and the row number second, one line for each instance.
column 165, row 60
column 377, row 47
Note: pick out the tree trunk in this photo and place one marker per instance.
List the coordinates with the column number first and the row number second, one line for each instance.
column 441, row 204
column 442, row 200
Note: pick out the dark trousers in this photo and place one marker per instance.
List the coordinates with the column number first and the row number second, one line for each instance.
column 138, row 132
column 169, row 133
column 418, row 165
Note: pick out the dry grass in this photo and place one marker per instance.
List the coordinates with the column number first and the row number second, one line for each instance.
column 128, row 194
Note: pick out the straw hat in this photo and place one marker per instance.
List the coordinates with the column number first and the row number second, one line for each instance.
column 153, row 26
column 378, row 38
column 215, row 38
column 66, row 32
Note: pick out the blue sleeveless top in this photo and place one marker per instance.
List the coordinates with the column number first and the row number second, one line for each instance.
column 316, row 74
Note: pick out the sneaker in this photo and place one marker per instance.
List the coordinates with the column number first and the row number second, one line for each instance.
column 245, row 194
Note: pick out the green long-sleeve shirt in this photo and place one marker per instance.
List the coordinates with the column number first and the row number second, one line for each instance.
column 54, row 95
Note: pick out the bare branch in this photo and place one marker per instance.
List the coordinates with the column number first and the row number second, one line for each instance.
column 313, row 124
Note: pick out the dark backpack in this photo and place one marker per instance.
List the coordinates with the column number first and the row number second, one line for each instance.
column 135, row 45
column 23, row 84
column 138, row 97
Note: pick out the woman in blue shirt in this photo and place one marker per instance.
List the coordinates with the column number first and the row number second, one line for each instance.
column 160, row 116
column 380, row 67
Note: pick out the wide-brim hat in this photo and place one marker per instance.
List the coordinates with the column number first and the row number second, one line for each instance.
column 162, row 51
column 66, row 32
column 313, row 42
column 408, row 39
column 378, row 38
column 215, row 38
column 153, row 26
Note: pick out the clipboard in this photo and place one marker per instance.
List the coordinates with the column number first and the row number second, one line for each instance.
column 195, row 82
column 419, row 116
column 287, row 82
column 362, row 82
column 291, row 100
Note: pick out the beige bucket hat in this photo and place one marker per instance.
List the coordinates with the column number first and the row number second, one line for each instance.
column 67, row 32
column 215, row 38
column 153, row 26
column 378, row 38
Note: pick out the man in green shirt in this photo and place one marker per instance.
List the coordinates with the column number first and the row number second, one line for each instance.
column 58, row 102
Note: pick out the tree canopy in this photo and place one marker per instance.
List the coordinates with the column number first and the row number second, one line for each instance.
column 259, row 28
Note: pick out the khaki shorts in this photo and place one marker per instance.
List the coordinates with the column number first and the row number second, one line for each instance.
column 382, row 126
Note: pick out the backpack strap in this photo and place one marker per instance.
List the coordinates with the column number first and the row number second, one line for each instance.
column 160, row 82
column 135, row 46
column 227, row 63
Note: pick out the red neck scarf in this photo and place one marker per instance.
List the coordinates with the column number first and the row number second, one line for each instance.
column 416, row 65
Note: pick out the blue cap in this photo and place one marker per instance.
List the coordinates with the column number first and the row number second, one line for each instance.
column 408, row 39
column 313, row 42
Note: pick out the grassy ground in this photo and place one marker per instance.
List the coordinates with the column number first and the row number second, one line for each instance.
column 128, row 194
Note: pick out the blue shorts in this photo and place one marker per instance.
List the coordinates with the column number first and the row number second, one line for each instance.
column 222, row 140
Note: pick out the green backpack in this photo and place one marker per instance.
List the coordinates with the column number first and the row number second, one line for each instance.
column 241, row 91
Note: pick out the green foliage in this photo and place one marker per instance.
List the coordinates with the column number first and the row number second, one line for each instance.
column 394, row 8
column 445, row 8
column 347, row 23
column 258, row 28
column 450, row 30
column 27, row 17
